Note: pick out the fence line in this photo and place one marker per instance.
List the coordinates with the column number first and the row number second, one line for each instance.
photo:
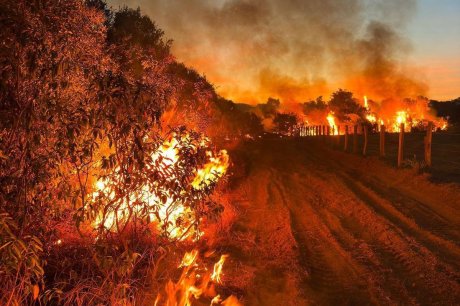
column 328, row 132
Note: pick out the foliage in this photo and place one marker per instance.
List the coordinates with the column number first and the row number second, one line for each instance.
column 315, row 105
column 238, row 121
column 285, row 122
column 343, row 104
column 21, row 269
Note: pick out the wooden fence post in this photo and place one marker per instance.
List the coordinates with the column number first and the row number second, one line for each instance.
column 401, row 145
column 355, row 138
column 428, row 139
column 345, row 145
column 382, row 140
column 365, row 140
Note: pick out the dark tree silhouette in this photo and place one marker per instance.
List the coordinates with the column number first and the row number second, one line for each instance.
column 343, row 104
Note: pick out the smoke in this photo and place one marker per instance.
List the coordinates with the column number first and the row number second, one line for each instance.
column 293, row 50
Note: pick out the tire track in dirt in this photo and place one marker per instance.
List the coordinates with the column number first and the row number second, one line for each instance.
column 273, row 253
column 333, row 276
column 358, row 241
column 359, row 284
column 426, row 273
column 444, row 245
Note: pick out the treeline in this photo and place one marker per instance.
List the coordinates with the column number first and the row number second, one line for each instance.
column 347, row 108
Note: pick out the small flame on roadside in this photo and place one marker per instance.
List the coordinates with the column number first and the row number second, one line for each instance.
column 217, row 272
column 195, row 283
column 189, row 258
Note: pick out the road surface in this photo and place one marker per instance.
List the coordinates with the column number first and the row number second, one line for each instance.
column 317, row 226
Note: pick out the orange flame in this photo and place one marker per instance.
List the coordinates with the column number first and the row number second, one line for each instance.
column 192, row 285
column 217, row 273
column 331, row 120
column 170, row 210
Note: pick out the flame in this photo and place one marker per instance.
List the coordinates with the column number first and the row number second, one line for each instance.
column 331, row 120
column 214, row 169
column 189, row 258
column 170, row 212
column 371, row 118
column 217, row 273
column 366, row 105
column 401, row 117
column 195, row 282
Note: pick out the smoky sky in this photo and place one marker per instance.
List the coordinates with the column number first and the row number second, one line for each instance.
column 294, row 50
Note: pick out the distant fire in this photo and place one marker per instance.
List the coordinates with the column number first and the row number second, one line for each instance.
column 331, row 120
column 412, row 113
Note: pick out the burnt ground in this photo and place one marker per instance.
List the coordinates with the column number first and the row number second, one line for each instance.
column 317, row 226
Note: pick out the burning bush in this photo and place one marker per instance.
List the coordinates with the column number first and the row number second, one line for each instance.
column 172, row 190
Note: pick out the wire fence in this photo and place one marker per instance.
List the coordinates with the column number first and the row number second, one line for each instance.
column 443, row 150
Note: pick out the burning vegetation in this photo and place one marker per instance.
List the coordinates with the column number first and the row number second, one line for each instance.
column 109, row 168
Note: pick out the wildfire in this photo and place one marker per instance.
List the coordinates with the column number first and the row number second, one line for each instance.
column 216, row 274
column 170, row 214
column 371, row 118
column 366, row 105
column 214, row 169
column 195, row 282
column 401, row 117
column 331, row 120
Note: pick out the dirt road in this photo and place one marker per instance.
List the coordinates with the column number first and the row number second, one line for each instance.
column 321, row 227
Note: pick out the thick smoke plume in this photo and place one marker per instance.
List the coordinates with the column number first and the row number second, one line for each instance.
column 294, row 50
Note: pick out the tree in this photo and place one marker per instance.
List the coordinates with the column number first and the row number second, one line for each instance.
column 285, row 122
column 343, row 104
column 270, row 108
column 314, row 105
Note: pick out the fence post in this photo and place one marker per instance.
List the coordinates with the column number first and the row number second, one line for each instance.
column 355, row 138
column 428, row 139
column 382, row 140
column 401, row 145
column 345, row 146
column 365, row 140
